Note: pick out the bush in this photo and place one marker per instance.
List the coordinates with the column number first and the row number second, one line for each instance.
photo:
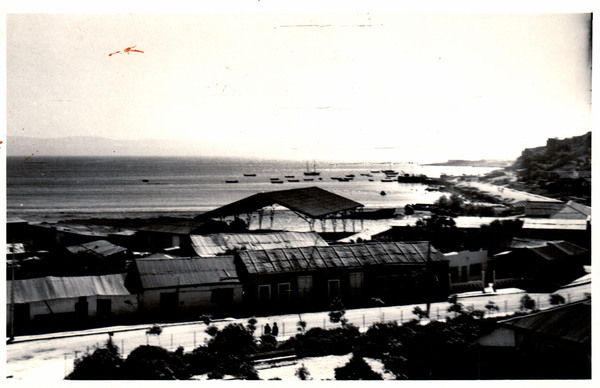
column 356, row 369
column 154, row 363
column 556, row 299
column 102, row 364
column 302, row 373
column 321, row 342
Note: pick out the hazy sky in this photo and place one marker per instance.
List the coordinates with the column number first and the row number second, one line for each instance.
column 374, row 86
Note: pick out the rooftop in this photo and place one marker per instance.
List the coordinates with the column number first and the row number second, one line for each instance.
column 313, row 202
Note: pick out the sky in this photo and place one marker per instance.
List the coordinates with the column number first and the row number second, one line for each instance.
column 344, row 86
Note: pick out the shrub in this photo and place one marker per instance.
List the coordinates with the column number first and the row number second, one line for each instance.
column 154, row 363
column 556, row 299
column 103, row 364
column 302, row 373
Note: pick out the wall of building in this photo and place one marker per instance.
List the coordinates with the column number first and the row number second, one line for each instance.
column 467, row 266
column 188, row 298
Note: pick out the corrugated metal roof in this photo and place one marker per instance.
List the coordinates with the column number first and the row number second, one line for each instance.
column 553, row 250
column 51, row 287
column 573, row 210
column 217, row 244
column 310, row 201
column 336, row 256
column 161, row 272
column 100, row 247
column 571, row 322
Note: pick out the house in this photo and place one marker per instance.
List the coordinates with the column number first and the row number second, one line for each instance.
column 99, row 256
column 541, row 265
column 174, row 287
column 549, row 344
column 467, row 269
column 220, row 243
column 542, row 209
column 310, row 277
column 44, row 304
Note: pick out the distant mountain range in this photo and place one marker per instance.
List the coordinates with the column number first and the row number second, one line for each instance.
column 94, row 146
column 500, row 163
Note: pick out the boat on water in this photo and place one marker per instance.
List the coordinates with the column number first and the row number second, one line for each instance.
column 249, row 174
column 276, row 181
column 232, row 181
column 314, row 172
column 293, row 180
column 308, row 179
column 289, row 176
column 387, row 180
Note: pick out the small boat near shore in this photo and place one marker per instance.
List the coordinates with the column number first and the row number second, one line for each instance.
column 249, row 174
column 231, row 181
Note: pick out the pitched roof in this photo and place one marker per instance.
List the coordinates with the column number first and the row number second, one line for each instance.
column 217, row 244
column 100, row 247
column 571, row 322
column 573, row 210
column 337, row 256
column 51, row 287
column 550, row 250
column 176, row 272
column 310, row 201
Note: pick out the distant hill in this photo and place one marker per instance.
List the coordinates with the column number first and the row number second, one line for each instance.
column 562, row 168
column 475, row 163
column 94, row 146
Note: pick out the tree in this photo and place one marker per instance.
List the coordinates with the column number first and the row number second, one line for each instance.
column 527, row 303
column 338, row 312
column 155, row 330
column 232, row 349
column 492, row 307
column 356, row 369
column 420, row 313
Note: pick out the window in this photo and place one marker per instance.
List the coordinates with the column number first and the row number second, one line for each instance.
column 264, row 293
column 283, row 292
column 333, row 288
column 305, row 285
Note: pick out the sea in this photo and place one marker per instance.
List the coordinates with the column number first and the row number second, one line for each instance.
column 44, row 188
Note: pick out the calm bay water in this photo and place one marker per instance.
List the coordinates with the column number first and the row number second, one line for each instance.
column 64, row 187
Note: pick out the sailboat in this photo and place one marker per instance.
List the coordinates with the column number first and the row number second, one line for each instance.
column 314, row 172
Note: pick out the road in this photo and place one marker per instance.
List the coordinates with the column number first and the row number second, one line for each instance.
column 48, row 358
